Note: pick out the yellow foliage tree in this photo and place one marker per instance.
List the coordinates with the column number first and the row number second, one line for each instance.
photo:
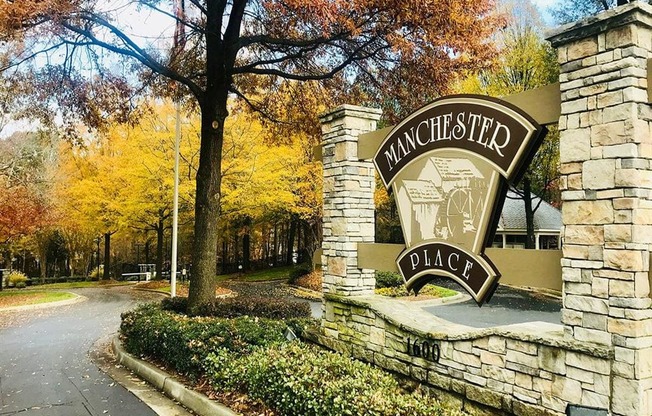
column 123, row 179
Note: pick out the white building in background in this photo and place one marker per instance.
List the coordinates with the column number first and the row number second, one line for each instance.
column 511, row 231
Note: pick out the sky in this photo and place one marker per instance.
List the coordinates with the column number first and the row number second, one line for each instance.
column 543, row 5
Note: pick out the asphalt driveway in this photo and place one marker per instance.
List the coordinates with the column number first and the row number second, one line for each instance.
column 507, row 306
column 45, row 369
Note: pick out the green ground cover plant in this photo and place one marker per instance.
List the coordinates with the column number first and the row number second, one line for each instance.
column 251, row 356
column 298, row 379
column 184, row 342
column 391, row 284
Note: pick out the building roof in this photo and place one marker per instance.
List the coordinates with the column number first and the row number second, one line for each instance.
column 455, row 169
column 546, row 217
column 422, row 192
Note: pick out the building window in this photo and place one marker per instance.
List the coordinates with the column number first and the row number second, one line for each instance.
column 498, row 241
column 516, row 241
column 549, row 242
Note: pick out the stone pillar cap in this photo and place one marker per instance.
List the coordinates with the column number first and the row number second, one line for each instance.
column 351, row 111
column 635, row 12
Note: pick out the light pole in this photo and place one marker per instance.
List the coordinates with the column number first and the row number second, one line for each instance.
column 175, row 203
column 179, row 44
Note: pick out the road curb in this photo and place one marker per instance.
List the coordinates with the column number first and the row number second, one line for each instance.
column 191, row 399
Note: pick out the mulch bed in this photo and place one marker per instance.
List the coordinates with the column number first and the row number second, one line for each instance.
column 311, row 281
column 182, row 289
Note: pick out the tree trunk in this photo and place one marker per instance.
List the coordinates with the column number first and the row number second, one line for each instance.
column 275, row 248
column 246, row 245
column 530, row 242
column 208, row 197
column 236, row 250
column 159, row 249
column 265, row 244
column 225, row 255
column 282, row 241
column 305, row 246
column 221, row 53
column 147, row 251
column 107, row 256
column 292, row 232
column 300, row 256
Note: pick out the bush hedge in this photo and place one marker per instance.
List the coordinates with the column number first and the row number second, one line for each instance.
column 302, row 380
column 261, row 307
column 388, row 279
column 183, row 342
column 251, row 355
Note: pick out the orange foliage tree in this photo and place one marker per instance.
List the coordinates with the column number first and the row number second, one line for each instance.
column 244, row 48
column 20, row 212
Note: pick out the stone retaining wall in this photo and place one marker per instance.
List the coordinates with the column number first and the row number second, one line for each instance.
column 524, row 369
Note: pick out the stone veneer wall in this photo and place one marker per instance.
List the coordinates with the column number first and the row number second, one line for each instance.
column 526, row 369
column 602, row 355
column 606, row 154
column 349, row 186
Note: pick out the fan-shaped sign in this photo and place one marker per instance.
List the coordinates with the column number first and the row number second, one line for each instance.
column 448, row 166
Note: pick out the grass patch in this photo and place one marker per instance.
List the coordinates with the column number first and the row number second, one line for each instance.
column 9, row 298
column 276, row 273
column 79, row 285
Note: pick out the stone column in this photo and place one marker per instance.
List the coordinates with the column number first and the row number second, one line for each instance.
column 606, row 153
column 349, row 186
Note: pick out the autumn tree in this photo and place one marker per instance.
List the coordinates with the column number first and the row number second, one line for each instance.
column 526, row 62
column 146, row 161
column 26, row 160
column 89, row 190
column 121, row 179
column 242, row 48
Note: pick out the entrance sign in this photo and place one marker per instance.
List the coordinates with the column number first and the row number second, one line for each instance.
column 448, row 166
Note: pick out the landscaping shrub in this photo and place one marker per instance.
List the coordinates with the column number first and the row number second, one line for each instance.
column 388, row 279
column 251, row 356
column 299, row 271
column 95, row 275
column 17, row 279
column 178, row 304
column 297, row 379
column 261, row 307
column 428, row 290
column 184, row 342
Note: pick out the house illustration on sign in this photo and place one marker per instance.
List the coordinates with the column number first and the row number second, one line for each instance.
column 449, row 190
